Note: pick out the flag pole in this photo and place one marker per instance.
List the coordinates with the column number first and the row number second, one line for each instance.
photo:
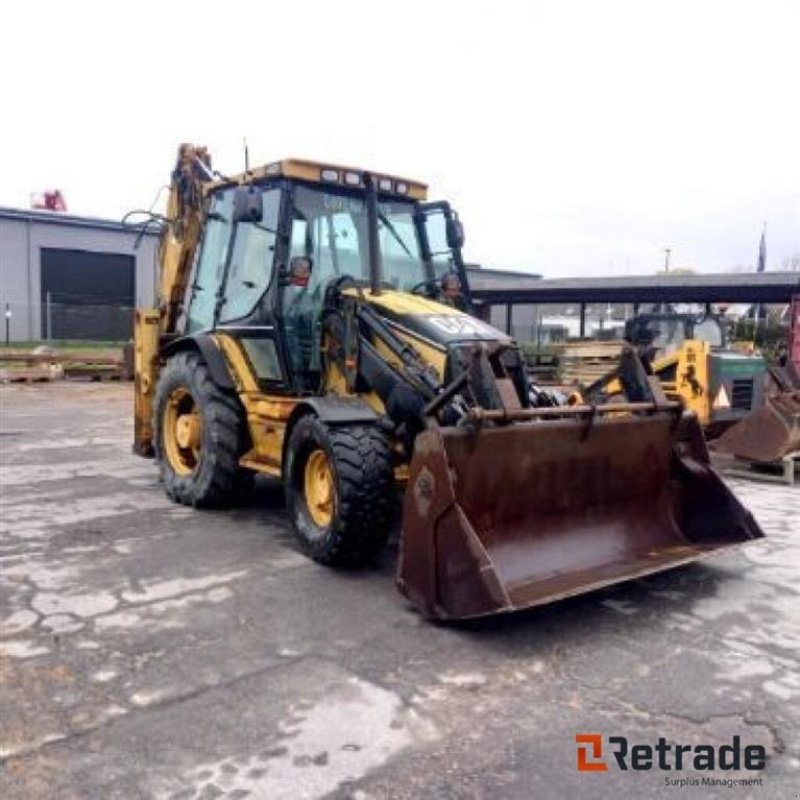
column 761, row 267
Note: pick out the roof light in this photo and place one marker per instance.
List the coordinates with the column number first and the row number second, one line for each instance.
column 352, row 179
column 385, row 184
column 330, row 175
column 401, row 187
column 273, row 169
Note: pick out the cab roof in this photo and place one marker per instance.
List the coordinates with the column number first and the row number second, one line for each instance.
column 326, row 175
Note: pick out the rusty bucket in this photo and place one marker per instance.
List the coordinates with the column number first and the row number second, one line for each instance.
column 768, row 433
column 522, row 513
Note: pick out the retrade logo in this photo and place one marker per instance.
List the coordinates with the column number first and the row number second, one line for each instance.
column 590, row 752
column 666, row 756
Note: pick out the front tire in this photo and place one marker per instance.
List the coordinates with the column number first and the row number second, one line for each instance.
column 339, row 490
column 200, row 434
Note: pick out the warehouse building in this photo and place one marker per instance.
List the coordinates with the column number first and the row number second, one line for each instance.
column 68, row 277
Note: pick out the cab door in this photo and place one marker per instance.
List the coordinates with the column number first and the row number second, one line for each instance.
column 244, row 311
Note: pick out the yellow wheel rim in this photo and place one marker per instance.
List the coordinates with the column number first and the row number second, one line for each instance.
column 182, row 431
column 319, row 488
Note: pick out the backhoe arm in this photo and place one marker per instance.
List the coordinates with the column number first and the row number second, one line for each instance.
column 179, row 241
column 181, row 236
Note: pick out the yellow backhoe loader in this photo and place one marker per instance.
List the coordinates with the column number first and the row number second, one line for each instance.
column 747, row 407
column 772, row 433
column 690, row 356
column 313, row 325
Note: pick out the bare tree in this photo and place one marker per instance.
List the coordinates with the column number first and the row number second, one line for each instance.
column 792, row 263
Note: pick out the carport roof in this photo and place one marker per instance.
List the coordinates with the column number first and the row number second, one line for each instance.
column 739, row 287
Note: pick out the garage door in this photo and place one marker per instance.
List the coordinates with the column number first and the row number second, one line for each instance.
column 87, row 295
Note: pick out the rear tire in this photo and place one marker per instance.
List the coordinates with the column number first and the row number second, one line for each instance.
column 200, row 467
column 340, row 490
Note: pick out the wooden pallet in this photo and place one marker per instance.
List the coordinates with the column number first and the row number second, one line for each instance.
column 88, row 372
column 586, row 362
column 37, row 373
column 24, row 376
column 48, row 365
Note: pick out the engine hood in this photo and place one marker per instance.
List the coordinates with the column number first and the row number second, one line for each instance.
column 434, row 322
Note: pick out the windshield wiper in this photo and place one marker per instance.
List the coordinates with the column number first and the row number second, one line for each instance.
column 385, row 220
column 268, row 230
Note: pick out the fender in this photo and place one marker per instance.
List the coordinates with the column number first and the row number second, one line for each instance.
column 208, row 349
column 333, row 410
column 336, row 410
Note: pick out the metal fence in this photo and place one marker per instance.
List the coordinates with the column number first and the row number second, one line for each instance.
column 66, row 319
column 86, row 321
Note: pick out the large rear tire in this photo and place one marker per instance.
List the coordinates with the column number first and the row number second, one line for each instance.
column 200, row 433
column 339, row 490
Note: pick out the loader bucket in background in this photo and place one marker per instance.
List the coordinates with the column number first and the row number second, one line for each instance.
column 523, row 514
column 766, row 434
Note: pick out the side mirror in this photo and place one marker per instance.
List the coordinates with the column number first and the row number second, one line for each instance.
column 248, row 204
column 300, row 271
column 455, row 232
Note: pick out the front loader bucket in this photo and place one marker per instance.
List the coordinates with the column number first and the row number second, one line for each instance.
column 509, row 517
column 767, row 434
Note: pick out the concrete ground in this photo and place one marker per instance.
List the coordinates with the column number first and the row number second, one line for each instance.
column 149, row 650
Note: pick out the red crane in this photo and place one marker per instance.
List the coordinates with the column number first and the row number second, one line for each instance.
column 49, row 200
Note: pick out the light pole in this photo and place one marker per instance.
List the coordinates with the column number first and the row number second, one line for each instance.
column 667, row 253
column 8, row 323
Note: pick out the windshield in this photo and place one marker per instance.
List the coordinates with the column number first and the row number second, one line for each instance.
column 330, row 226
column 709, row 330
column 668, row 334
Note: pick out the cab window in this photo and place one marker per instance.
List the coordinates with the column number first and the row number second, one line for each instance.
column 402, row 266
column 709, row 330
column 210, row 267
column 441, row 254
column 251, row 267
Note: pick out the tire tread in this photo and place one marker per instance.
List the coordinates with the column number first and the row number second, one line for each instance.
column 365, row 511
column 219, row 480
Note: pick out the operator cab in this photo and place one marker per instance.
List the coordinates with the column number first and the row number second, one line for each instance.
column 276, row 238
column 665, row 332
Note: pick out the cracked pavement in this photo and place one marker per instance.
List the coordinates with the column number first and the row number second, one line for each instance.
column 149, row 650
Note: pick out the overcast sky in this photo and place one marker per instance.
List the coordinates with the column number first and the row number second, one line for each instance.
column 575, row 138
